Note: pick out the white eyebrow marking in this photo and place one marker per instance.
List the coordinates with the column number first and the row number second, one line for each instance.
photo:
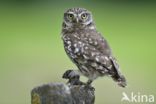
column 71, row 12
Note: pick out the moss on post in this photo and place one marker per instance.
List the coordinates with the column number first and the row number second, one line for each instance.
column 59, row 93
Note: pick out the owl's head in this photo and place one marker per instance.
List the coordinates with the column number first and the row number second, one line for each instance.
column 77, row 17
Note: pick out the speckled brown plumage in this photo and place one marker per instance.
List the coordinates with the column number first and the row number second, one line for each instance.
column 86, row 47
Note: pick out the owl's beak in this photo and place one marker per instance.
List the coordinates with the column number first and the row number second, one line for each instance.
column 77, row 20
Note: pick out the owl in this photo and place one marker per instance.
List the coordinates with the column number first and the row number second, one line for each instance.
column 87, row 48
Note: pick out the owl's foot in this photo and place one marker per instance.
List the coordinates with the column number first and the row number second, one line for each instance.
column 71, row 74
column 73, row 77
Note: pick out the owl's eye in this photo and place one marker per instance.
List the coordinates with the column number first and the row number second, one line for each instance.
column 84, row 16
column 70, row 16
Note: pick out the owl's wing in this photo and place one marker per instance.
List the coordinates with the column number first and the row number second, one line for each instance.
column 100, row 54
column 99, row 43
column 99, row 51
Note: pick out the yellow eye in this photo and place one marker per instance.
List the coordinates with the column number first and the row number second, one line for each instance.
column 70, row 16
column 84, row 16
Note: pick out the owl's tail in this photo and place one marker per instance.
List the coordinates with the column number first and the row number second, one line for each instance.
column 117, row 76
column 120, row 79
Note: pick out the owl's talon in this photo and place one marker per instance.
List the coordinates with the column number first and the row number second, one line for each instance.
column 73, row 77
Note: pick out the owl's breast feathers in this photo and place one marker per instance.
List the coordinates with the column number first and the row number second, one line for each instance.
column 88, row 49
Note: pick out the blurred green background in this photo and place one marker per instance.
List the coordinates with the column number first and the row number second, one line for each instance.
column 31, row 50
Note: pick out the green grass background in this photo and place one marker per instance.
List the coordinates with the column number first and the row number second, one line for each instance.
column 31, row 50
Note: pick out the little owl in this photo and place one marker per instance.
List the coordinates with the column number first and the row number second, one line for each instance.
column 87, row 48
